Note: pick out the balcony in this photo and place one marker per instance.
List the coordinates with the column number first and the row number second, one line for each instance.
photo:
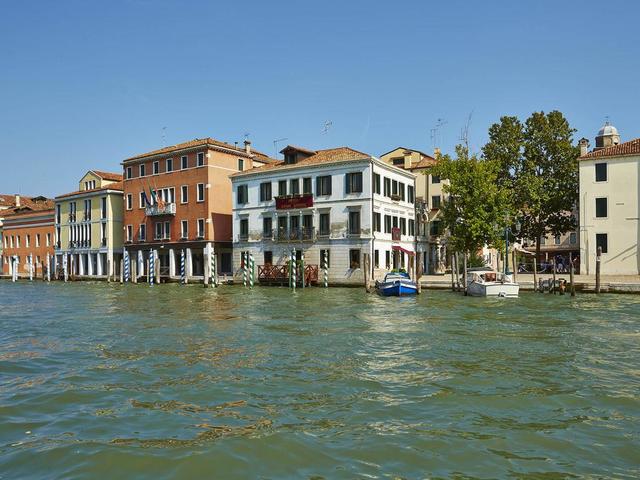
column 158, row 210
column 300, row 234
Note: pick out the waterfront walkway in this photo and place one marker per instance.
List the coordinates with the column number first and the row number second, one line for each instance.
column 584, row 283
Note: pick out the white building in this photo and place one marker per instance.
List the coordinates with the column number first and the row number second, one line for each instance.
column 337, row 200
column 609, row 178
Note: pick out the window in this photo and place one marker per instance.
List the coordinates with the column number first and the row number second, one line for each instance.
column 289, row 158
column 435, row 201
column 410, row 194
column 323, row 185
column 573, row 238
column 156, row 167
column 325, row 224
column 412, row 227
column 184, row 162
column 601, row 172
column 354, row 223
column 282, row 188
column 268, row 257
column 58, row 213
column 169, row 166
column 244, row 229
column 129, row 172
column 294, row 186
column 200, row 195
column 556, row 240
column 200, row 159
column 242, row 194
column 353, row 182
column 376, row 183
column 395, row 222
column 401, row 190
column 27, row 241
column 240, row 164
column 142, row 173
column 354, row 258
column 376, row 221
column 167, row 230
column 325, row 255
column 265, row 192
column 87, row 209
column 17, row 241
column 601, row 207
column 602, row 242
column 435, row 178
column 159, row 230
column 37, row 240
column 142, row 232
column 394, row 187
column 267, row 226
column 184, row 229
column 376, row 258
column 200, row 228
column 129, row 201
column 129, row 233
column 306, row 186
column 387, row 259
column 103, row 207
column 387, row 224
column 48, row 239
column 398, row 161
column 403, row 226
column 142, row 200
column 387, row 187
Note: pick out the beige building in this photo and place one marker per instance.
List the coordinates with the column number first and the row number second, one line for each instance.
column 609, row 183
column 430, row 239
column 88, row 227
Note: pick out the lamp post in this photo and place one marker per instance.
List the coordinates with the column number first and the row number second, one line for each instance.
column 507, row 231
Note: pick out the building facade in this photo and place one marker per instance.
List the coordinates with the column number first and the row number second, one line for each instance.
column 609, row 208
column 88, row 227
column 27, row 236
column 177, row 200
column 430, row 235
column 336, row 202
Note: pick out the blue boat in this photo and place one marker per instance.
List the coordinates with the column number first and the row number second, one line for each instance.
column 397, row 284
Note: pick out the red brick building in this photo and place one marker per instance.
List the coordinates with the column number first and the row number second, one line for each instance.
column 27, row 234
column 179, row 198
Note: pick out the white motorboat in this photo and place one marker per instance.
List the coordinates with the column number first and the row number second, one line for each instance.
column 486, row 282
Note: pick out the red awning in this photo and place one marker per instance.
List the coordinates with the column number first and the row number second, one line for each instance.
column 399, row 248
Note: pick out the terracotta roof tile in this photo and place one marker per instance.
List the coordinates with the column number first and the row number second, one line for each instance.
column 27, row 204
column 114, row 177
column 331, row 155
column 111, row 186
column 425, row 162
column 631, row 147
column 201, row 142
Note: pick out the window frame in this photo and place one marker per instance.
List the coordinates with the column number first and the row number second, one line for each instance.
column 606, row 207
column 606, row 171
column 198, row 199
column 200, row 159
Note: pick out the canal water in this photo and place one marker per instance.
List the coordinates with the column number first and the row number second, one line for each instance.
column 105, row 381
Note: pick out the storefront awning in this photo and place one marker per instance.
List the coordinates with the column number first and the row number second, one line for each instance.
column 400, row 249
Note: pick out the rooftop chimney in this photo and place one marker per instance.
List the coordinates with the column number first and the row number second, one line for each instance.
column 17, row 200
column 436, row 152
column 247, row 146
column 584, row 146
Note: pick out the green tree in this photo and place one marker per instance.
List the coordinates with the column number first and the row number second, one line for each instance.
column 538, row 164
column 477, row 207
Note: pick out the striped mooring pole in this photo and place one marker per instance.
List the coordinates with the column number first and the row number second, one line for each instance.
column 31, row 267
column 48, row 268
column 294, row 275
column 212, row 268
column 183, row 277
column 126, row 266
column 252, row 270
column 14, row 271
column 245, row 256
column 302, row 268
column 325, row 264
column 65, row 270
column 152, row 267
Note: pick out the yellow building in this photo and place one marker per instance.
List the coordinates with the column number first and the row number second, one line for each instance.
column 88, row 227
column 430, row 243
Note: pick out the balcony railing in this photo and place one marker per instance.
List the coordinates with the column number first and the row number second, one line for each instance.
column 80, row 244
column 103, row 242
column 300, row 234
column 156, row 210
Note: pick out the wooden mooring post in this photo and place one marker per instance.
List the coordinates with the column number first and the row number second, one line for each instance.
column 598, row 261
column 535, row 274
column 553, row 288
column 453, row 278
column 464, row 278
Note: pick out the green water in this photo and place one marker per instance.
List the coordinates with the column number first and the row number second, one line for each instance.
column 105, row 381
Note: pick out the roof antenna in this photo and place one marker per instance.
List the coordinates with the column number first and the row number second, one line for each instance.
column 164, row 136
column 275, row 145
column 327, row 126
column 464, row 131
column 436, row 138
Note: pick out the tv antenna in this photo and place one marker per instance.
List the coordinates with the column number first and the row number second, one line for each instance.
column 436, row 137
column 464, row 131
column 327, row 126
column 275, row 145
column 164, row 136
column 246, row 135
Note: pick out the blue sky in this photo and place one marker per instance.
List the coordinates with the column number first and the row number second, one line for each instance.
column 86, row 84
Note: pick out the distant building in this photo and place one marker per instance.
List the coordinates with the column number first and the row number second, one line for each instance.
column 337, row 201
column 88, row 226
column 27, row 234
column 178, row 199
column 609, row 177
column 430, row 240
